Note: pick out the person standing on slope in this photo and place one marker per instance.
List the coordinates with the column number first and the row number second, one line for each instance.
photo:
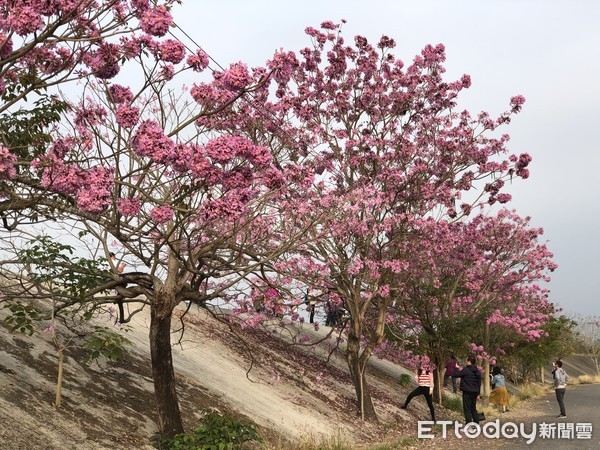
column 424, row 379
column 470, row 385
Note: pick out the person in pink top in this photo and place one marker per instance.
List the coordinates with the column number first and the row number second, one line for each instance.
column 424, row 379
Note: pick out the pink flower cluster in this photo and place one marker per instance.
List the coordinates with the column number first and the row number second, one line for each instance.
column 104, row 62
column 151, row 141
column 156, row 21
column 517, row 103
column 7, row 164
column 521, row 166
column 236, row 78
column 230, row 206
column 282, row 66
column 62, row 178
column 225, row 148
column 171, row 50
column 210, row 95
column 6, row 46
column 91, row 188
column 24, row 19
column 129, row 207
column 199, row 61
column 90, row 114
column 94, row 195
column 127, row 116
column 161, row 214
column 120, row 94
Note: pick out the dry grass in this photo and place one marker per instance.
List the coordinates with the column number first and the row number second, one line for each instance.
column 585, row 379
column 525, row 392
column 312, row 442
column 532, row 390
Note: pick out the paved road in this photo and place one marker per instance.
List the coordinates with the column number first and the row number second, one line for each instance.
column 539, row 422
column 583, row 418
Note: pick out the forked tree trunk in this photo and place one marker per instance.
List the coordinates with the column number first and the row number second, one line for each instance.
column 169, row 416
column 357, row 365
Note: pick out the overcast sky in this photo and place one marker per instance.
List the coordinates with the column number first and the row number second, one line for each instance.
column 548, row 51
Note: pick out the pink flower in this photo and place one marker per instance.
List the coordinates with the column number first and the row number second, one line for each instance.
column 6, row 46
column 151, row 141
column 129, row 207
column 94, row 196
column 91, row 114
column 161, row 214
column 466, row 81
column 167, row 72
column 131, row 47
column 60, row 177
column 236, row 78
column 222, row 149
column 24, row 20
column 7, row 164
column 119, row 94
column 156, row 21
column 282, row 66
column 104, row 62
column 503, row 198
column 517, row 102
column 384, row 291
column 171, row 51
column 127, row 116
column 199, row 61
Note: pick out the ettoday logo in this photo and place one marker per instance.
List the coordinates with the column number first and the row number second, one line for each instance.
column 506, row 430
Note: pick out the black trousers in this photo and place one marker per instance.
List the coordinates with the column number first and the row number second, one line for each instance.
column 470, row 406
column 560, row 397
column 453, row 382
column 422, row 390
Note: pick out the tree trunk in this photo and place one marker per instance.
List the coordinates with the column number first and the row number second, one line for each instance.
column 542, row 378
column 439, row 384
column 169, row 416
column 485, row 382
column 485, row 379
column 61, row 361
column 357, row 365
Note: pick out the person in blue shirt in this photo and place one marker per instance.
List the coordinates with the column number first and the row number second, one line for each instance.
column 499, row 395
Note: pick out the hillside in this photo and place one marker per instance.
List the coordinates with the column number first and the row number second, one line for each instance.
column 291, row 392
column 295, row 394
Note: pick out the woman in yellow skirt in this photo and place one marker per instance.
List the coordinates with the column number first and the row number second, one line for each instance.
column 499, row 395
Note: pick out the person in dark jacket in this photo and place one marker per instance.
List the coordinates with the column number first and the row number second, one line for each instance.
column 449, row 373
column 470, row 385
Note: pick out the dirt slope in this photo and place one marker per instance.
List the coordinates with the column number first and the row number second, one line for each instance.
column 293, row 393
column 290, row 392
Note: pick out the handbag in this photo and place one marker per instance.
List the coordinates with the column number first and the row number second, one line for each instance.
column 480, row 417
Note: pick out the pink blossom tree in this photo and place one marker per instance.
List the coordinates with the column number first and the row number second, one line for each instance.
column 481, row 277
column 45, row 43
column 137, row 169
column 380, row 146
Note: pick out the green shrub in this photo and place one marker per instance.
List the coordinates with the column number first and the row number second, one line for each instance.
column 405, row 380
column 215, row 432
